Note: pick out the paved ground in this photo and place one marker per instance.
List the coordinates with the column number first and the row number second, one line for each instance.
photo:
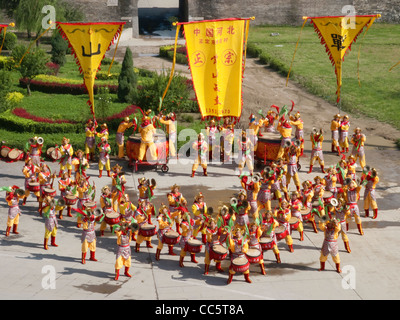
column 370, row 271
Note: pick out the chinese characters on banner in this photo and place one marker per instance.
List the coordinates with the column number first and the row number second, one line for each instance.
column 89, row 43
column 216, row 59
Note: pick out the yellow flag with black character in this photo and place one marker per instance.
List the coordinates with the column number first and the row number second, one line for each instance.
column 338, row 33
column 89, row 43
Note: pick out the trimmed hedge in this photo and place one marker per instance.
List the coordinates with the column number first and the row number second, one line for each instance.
column 63, row 88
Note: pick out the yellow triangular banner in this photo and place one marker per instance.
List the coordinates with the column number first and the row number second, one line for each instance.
column 89, row 43
column 337, row 34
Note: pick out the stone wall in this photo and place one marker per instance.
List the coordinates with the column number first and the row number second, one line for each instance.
column 266, row 11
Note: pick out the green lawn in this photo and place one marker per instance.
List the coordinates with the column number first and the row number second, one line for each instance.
column 379, row 93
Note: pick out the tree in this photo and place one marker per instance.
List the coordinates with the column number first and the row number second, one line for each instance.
column 33, row 64
column 127, row 79
column 59, row 48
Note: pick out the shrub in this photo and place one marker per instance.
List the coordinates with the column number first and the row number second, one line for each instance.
column 12, row 99
column 63, row 88
column 6, row 63
column 10, row 40
column 127, row 79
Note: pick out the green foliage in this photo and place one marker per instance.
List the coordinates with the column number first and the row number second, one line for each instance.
column 5, row 88
column 33, row 63
column 127, row 80
column 13, row 99
column 59, row 48
column 177, row 98
column 10, row 41
column 103, row 103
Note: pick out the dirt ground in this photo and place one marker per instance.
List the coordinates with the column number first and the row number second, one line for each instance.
column 263, row 87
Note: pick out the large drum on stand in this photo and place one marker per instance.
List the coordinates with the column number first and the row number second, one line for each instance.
column 161, row 143
column 267, row 148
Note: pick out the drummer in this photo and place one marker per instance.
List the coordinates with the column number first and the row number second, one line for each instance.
column 351, row 167
column 330, row 181
column 255, row 126
column 370, row 179
column 104, row 132
column 118, row 185
column 165, row 223
column 201, row 146
column 50, row 222
column 213, row 235
column 146, row 192
column 335, row 125
column 246, row 151
column 123, row 256
column 67, row 152
column 283, row 216
column 119, row 137
column 142, row 214
column 344, row 134
column 147, row 132
column 81, row 164
column 255, row 233
column 83, row 196
column 292, row 158
column 285, row 129
column 88, row 238
column 106, row 206
column 269, row 121
column 307, row 195
column 126, row 208
column 175, row 200
column 170, row 128
column 296, row 206
column 297, row 122
column 200, row 215
column 352, row 194
column 90, row 141
column 12, row 197
column 264, row 194
column 186, row 227
column 331, row 231
column 227, row 134
column 341, row 214
column 316, row 138
column 30, row 170
column 44, row 177
column 242, row 209
column 213, row 140
column 238, row 247
column 341, row 168
column 268, row 226
column 104, row 156
column 251, row 186
column 64, row 185
column 35, row 150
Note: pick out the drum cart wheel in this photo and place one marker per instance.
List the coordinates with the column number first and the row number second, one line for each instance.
column 164, row 168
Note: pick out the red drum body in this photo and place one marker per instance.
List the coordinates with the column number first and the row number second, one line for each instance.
column 194, row 245
column 281, row 232
column 254, row 255
column 267, row 243
column 133, row 146
column 294, row 223
column 147, row 230
column 112, row 218
column 171, row 237
column 34, row 186
column 70, row 200
column 240, row 264
column 268, row 146
column 305, row 214
column 218, row 252
column 90, row 204
column 49, row 192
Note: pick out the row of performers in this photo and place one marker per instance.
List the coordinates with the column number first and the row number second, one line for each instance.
column 313, row 200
